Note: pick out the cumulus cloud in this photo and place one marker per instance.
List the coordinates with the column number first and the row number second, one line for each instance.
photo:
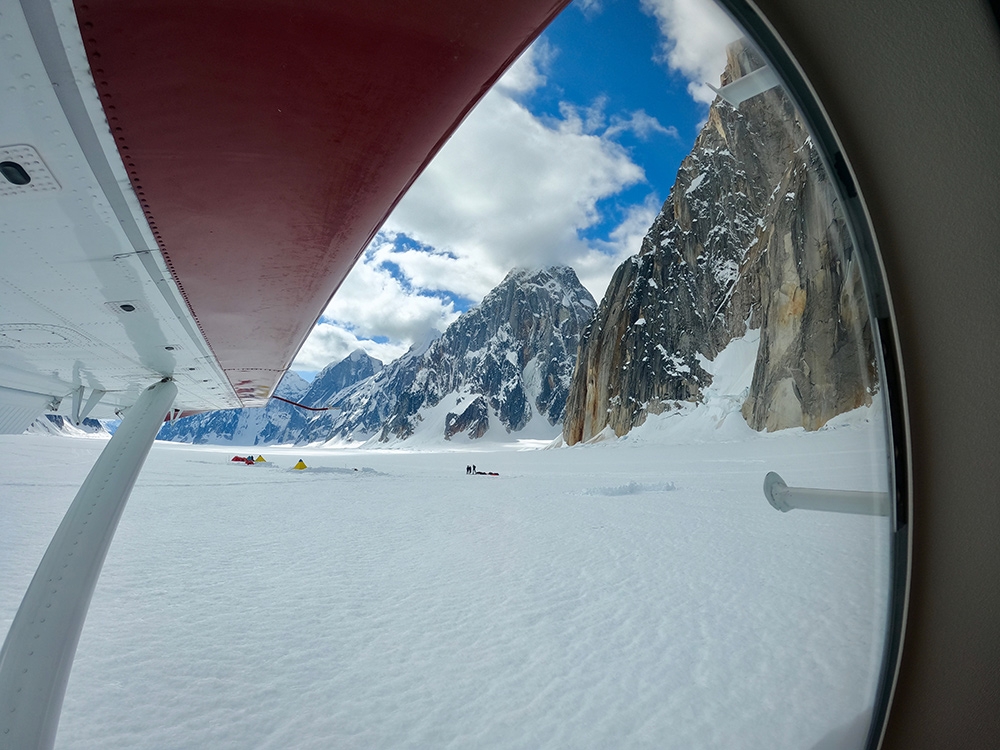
column 376, row 303
column 508, row 189
column 372, row 302
column 595, row 267
column 642, row 125
column 528, row 71
column 589, row 8
column 579, row 120
column 695, row 33
column 331, row 342
column 593, row 120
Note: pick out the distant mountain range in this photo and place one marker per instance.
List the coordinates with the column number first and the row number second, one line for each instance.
column 749, row 239
column 503, row 367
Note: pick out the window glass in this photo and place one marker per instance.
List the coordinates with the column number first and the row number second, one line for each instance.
column 658, row 277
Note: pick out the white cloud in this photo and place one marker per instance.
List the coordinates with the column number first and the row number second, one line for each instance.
column 528, row 71
column 589, row 8
column 508, row 189
column 377, row 304
column 643, row 125
column 330, row 342
column 590, row 119
column 371, row 302
column 696, row 33
column 596, row 266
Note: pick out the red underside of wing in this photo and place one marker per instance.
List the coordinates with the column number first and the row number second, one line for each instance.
column 268, row 140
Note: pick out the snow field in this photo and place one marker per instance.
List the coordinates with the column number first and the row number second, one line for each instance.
column 631, row 595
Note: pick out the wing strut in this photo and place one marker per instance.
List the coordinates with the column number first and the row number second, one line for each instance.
column 36, row 657
column 785, row 498
column 753, row 83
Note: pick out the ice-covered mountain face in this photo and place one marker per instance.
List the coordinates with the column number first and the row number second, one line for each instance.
column 292, row 386
column 277, row 422
column 517, row 350
column 500, row 365
column 335, row 377
column 748, row 237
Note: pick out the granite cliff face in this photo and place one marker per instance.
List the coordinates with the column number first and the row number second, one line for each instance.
column 749, row 237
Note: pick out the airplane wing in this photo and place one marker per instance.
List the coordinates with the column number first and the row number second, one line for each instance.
column 183, row 186
column 185, row 183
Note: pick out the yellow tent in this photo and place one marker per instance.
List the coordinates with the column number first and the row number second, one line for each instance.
column 300, row 465
column 261, row 460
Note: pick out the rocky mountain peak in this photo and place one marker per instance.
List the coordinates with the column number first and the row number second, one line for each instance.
column 749, row 236
column 337, row 376
column 292, row 386
column 504, row 363
column 515, row 350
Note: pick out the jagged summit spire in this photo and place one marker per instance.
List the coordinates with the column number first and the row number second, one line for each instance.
column 749, row 235
column 519, row 274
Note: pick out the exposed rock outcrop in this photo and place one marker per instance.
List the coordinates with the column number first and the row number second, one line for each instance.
column 474, row 421
column 516, row 349
column 750, row 236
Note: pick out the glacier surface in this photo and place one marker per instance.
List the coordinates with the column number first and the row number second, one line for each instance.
column 637, row 593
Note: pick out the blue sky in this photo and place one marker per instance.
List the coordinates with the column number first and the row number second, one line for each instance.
column 567, row 160
column 608, row 58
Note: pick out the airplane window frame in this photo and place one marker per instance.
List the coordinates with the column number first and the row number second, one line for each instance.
column 767, row 41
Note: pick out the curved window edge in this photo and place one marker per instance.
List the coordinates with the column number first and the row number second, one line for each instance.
column 769, row 43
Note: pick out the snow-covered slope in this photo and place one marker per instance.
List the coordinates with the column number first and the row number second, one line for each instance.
column 57, row 424
column 625, row 595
